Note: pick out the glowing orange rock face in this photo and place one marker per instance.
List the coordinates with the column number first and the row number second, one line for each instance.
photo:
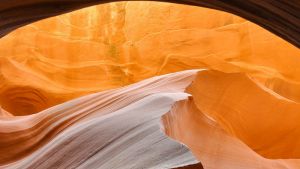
column 116, row 44
column 249, row 97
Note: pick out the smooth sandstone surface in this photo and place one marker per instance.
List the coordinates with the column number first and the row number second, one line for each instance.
column 211, row 121
column 212, row 145
column 98, row 130
column 116, row 44
column 118, row 128
column 240, row 113
column 136, row 142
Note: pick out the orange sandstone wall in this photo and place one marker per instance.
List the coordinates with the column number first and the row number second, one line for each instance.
column 116, row 44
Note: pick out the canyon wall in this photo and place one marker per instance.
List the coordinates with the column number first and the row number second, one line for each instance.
column 112, row 45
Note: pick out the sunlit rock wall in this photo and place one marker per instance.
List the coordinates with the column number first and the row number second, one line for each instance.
column 242, row 112
column 112, row 45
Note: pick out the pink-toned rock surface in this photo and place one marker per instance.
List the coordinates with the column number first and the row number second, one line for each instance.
column 233, row 122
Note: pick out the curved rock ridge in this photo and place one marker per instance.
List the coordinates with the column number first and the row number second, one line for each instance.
column 129, row 138
column 280, row 16
column 211, row 144
column 109, row 129
column 231, row 121
column 225, row 119
column 241, row 111
column 117, row 44
column 267, row 122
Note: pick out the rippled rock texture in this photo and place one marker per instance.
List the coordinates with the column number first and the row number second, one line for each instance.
column 126, row 64
column 112, row 129
column 113, row 45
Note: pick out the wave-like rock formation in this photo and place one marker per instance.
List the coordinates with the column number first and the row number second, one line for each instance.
column 113, row 129
column 120, row 128
column 231, row 118
column 113, row 45
column 280, row 16
column 110, row 86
